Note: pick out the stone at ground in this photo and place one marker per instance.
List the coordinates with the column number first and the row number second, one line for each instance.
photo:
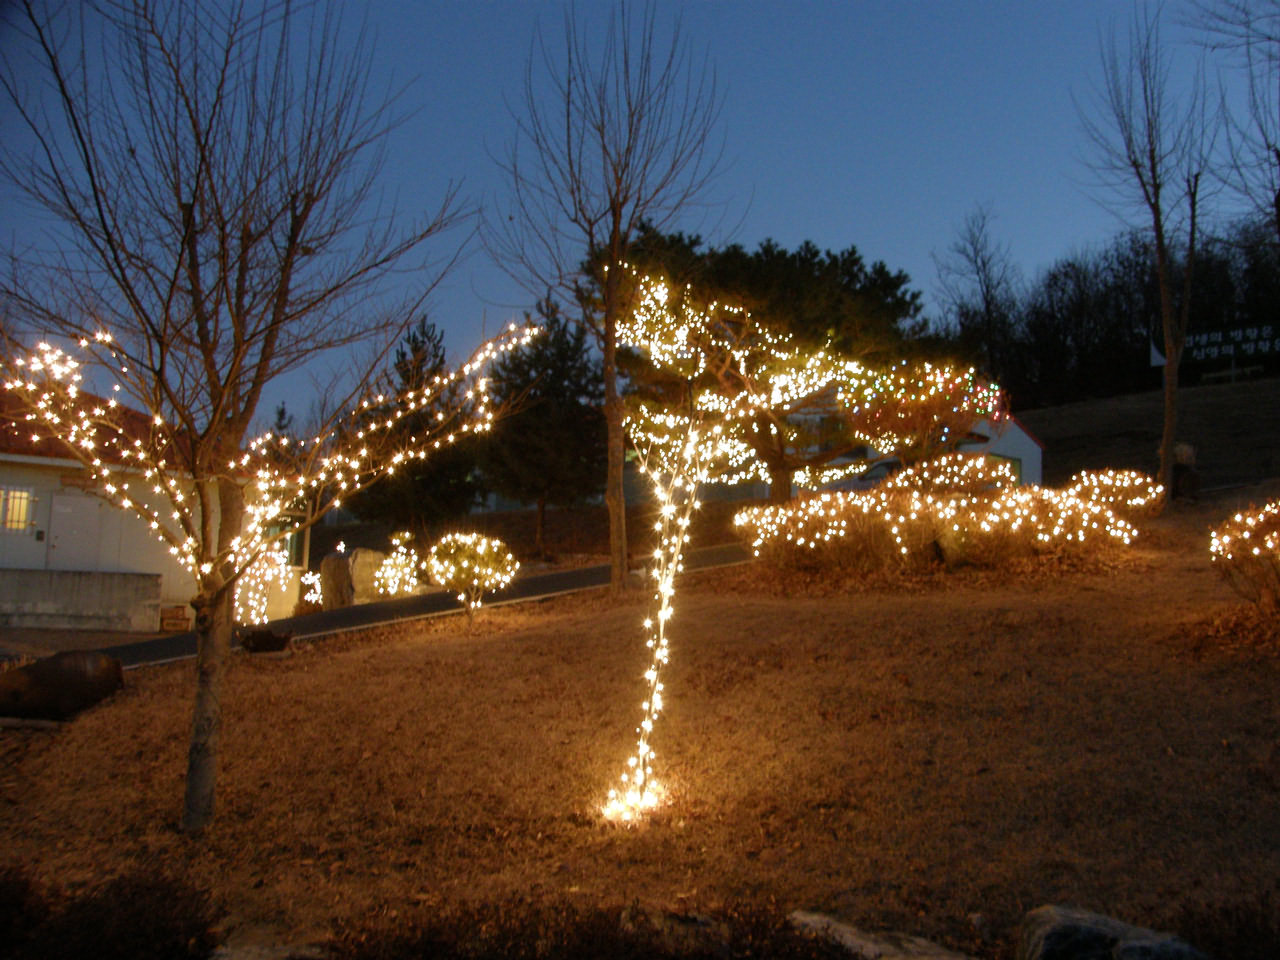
column 364, row 564
column 1066, row 933
column 59, row 687
column 264, row 641
column 335, row 582
column 871, row 946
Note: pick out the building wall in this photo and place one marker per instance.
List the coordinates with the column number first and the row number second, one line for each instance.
column 1007, row 439
column 72, row 531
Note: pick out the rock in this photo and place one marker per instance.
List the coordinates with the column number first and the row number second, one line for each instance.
column 264, row 641
column 1066, row 933
column 869, row 946
column 60, row 686
column 335, row 582
column 364, row 564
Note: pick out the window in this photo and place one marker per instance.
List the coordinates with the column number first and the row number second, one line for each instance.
column 17, row 510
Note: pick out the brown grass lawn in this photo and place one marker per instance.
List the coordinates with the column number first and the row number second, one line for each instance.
column 902, row 756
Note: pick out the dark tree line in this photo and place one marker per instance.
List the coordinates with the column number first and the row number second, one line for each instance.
column 1088, row 326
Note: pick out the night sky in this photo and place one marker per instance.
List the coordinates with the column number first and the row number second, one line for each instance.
column 876, row 123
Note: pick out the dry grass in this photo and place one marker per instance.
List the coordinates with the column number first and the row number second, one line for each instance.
column 902, row 756
column 1235, row 428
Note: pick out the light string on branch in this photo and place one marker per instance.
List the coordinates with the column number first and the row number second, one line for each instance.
column 163, row 474
column 675, row 488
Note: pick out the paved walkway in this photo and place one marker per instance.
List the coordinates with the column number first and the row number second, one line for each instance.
column 534, row 586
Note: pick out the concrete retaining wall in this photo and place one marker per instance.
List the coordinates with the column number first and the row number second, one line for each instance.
column 80, row 600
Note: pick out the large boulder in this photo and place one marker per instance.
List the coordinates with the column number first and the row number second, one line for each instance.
column 60, row 686
column 364, row 564
column 1066, row 933
column 335, row 582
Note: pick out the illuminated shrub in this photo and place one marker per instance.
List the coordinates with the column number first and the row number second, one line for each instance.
column 470, row 565
column 955, row 510
column 1247, row 552
column 954, row 473
column 398, row 573
column 1127, row 492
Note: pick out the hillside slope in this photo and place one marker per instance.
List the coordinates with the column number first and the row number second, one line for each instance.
column 1235, row 428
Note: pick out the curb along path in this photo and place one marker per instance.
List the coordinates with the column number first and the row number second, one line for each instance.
column 181, row 646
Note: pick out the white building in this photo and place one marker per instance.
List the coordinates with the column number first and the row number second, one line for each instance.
column 1008, row 440
column 70, row 559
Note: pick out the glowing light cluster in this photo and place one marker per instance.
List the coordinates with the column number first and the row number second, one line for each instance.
column 770, row 392
column 471, row 565
column 1129, row 491
column 398, row 573
column 1247, row 551
column 166, row 474
column 954, row 473
column 676, row 493
column 253, row 589
column 314, row 590
column 920, row 508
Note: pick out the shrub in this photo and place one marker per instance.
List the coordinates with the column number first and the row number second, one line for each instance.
column 956, row 510
column 398, row 573
column 522, row 931
column 1247, row 552
column 470, row 565
column 1127, row 492
column 137, row 916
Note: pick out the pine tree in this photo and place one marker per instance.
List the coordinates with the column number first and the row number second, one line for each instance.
column 552, row 449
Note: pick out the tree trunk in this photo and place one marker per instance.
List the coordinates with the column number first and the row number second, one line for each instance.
column 780, row 484
column 614, row 496
column 1169, row 435
column 539, row 543
column 213, row 647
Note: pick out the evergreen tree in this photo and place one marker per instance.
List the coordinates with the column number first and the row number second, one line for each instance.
column 428, row 492
column 551, row 450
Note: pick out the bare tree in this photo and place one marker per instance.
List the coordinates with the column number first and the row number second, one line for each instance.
column 209, row 172
column 1250, row 29
column 979, row 285
column 613, row 132
column 1152, row 153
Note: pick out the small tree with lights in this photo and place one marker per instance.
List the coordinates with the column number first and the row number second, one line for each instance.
column 737, row 401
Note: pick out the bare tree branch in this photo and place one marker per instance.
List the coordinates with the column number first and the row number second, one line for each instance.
column 612, row 132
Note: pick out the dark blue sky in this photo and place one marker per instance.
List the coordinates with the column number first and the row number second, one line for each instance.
column 876, row 123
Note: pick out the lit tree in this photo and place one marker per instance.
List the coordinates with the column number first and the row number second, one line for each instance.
column 698, row 431
column 1152, row 153
column 621, row 137
column 791, row 414
column 212, row 181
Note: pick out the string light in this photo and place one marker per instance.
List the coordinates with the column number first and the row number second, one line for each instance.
column 471, row 565
column 764, row 386
column 154, row 469
column 1247, row 552
column 253, row 589
column 398, row 572
column 965, row 494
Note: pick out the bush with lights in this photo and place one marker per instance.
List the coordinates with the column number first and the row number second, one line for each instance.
column 471, row 565
column 1128, row 492
column 398, row 573
column 956, row 510
column 1246, row 549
